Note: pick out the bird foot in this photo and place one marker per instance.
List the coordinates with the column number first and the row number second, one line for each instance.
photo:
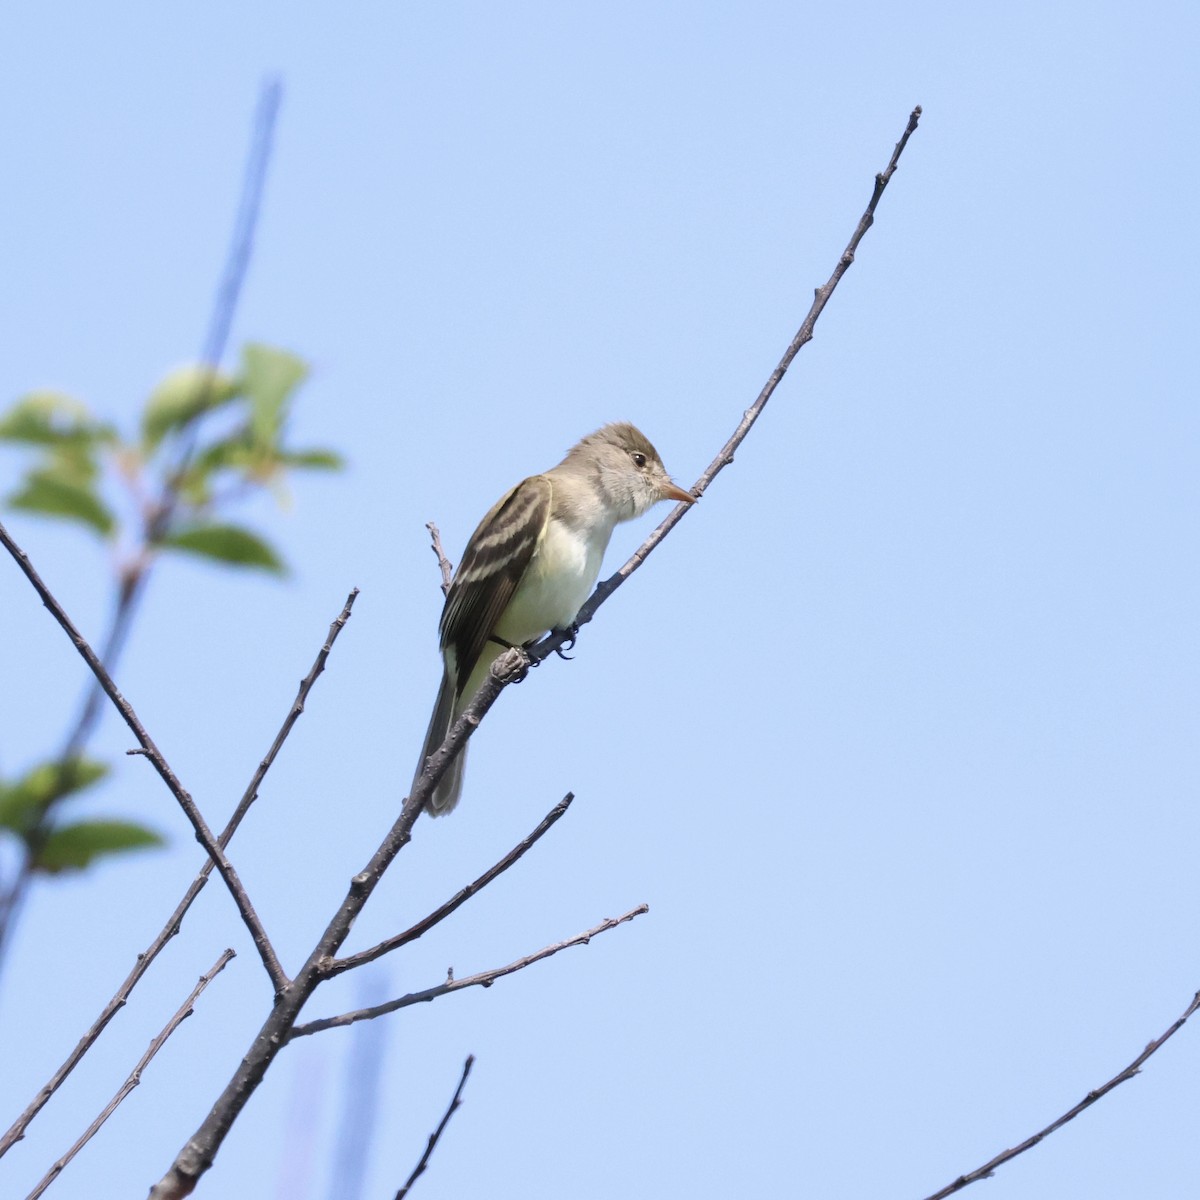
column 572, row 632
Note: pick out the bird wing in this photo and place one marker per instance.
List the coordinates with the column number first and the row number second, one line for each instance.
column 492, row 565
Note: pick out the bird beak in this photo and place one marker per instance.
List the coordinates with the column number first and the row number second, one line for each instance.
column 673, row 492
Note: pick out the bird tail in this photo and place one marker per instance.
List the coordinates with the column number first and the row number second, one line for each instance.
column 448, row 789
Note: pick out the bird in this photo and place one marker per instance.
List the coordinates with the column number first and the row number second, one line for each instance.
column 530, row 565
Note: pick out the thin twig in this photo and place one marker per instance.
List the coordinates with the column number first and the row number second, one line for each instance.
column 804, row 334
column 17, row 1131
column 1120, row 1077
column 204, row 835
column 351, row 961
column 455, row 1102
column 482, row 979
column 197, row 1154
column 135, row 1076
column 443, row 562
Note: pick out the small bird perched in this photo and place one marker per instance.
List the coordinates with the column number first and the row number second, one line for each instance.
column 532, row 563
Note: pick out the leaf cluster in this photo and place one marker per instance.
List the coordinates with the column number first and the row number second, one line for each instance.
column 205, row 439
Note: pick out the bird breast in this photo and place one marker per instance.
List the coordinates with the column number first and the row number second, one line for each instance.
column 558, row 580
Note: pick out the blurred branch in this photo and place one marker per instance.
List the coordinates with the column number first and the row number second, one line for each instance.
column 455, row 1102
column 241, row 246
column 1134, row 1068
column 134, row 574
column 197, row 1155
column 483, row 979
column 17, row 1131
column 351, row 961
column 135, row 1076
column 203, row 834
column 443, row 562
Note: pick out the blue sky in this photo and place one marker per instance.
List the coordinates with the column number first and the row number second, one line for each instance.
column 895, row 734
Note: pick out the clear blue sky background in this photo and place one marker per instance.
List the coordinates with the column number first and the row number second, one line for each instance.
column 897, row 732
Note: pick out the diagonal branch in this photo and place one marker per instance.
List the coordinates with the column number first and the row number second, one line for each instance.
column 1134, row 1068
column 340, row 965
column 17, row 1131
column 135, row 1076
column 482, row 979
column 204, row 835
column 512, row 664
column 804, row 334
column 455, row 1102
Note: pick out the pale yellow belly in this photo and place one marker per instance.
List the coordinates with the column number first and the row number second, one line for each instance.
column 555, row 584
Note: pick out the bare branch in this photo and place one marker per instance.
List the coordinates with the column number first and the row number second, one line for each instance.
column 455, row 1101
column 135, row 1076
column 443, row 562
column 204, row 835
column 483, row 979
column 198, row 1153
column 339, row 965
column 1120, row 1077
column 17, row 1131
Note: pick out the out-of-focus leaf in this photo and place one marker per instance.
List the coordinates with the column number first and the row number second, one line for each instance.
column 49, row 493
column 269, row 377
column 181, row 397
column 50, row 419
column 72, row 462
column 23, row 800
column 313, row 460
column 75, row 846
column 229, row 544
column 18, row 812
column 229, row 453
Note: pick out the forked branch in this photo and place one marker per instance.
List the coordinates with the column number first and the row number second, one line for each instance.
column 204, row 835
column 340, row 965
column 482, row 979
column 121, row 997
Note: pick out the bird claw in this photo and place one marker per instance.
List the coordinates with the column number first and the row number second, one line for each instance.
column 572, row 632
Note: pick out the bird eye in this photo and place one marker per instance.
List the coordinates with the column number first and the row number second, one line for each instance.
column 639, row 459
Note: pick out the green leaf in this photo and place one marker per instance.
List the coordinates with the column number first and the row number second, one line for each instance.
column 48, row 493
column 49, row 419
column 231, row 451
column 75, row 846
column 18, row 810
column 23, row 801
column 269, row 377
column 229, row 544
column 313, row 460
column 182, row 396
